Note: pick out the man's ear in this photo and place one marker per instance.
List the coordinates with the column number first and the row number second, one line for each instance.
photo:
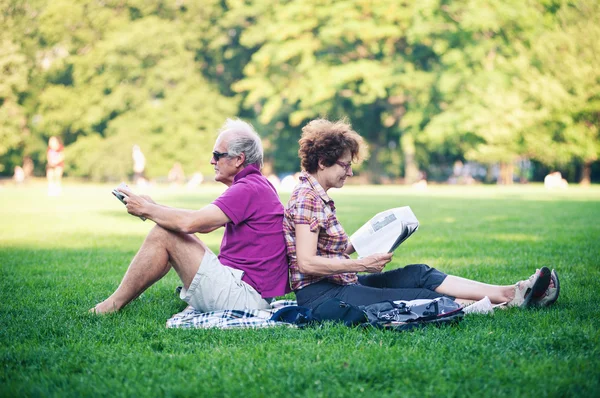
column 242, row 159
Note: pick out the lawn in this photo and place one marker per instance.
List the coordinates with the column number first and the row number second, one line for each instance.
column 60, row 256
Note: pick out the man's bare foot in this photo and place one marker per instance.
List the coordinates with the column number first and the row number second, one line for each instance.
column 104, row 307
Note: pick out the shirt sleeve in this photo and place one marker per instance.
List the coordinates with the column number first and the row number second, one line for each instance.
column 234, row 202
column 310, row 210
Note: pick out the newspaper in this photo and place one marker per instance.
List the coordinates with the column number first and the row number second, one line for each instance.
column 385, row 232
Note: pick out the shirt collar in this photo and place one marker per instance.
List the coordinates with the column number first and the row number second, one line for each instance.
column 312, row 181
column 253, row 168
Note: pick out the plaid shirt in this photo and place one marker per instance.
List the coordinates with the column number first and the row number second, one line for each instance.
column 310, row 204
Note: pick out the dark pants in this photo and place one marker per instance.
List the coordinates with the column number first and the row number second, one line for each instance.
column 415, row 281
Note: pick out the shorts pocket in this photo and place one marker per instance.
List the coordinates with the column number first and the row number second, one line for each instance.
column 237, row 275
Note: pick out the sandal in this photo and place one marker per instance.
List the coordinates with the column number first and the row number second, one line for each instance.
column 533, row 288
column 551, row 294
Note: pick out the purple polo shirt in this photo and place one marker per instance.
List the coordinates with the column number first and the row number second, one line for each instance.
column 253, row 241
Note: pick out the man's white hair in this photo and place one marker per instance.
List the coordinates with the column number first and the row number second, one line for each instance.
column 242, row 138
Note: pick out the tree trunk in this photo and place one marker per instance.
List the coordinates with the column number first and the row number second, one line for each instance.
column 411, row 170
column 489, row 175
column 586, row 174
column 374, row 172
column 506, row 173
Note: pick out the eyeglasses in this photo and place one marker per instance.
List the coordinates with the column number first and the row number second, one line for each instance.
column 219, row 155
column 346, row 166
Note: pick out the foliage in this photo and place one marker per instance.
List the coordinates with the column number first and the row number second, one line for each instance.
column 426, row 82
column 564, row 87
column 14, row 75
column 346, row 59
column 127, row 91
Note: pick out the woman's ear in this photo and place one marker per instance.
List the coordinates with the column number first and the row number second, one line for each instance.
column 321, row 165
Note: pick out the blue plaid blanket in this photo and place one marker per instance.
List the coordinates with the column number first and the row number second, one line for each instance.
column 229, row 319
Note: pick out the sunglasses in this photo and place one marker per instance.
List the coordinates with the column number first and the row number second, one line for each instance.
column 219, row 155
column 346, row 166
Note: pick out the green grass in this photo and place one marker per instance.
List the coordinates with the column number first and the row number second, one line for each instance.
column 60, row 256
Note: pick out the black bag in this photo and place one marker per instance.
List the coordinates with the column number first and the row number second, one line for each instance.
column 410, row 314
column 386, row 314
column 334, row 309
column 299, row 316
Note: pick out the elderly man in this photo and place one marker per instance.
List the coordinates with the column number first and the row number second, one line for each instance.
column 251, row 267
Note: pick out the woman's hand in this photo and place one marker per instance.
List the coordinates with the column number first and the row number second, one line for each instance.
column 375, row 262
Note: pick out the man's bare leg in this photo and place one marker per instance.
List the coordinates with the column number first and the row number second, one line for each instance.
column 161, row 250
column 466, row 290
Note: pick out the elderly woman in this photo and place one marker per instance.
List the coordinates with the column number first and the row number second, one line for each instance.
column 318, row 247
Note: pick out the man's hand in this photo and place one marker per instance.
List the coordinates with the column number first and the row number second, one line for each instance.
column 136, row 205
column 148, row 199
column 375, row 262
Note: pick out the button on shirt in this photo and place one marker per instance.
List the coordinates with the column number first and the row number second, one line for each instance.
column 310, row 204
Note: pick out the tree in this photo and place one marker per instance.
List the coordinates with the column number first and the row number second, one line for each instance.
column 564, row 83
column 15, row 66
column 346, row 58
column 137, row 84
column 423, row 81
column 482, row 110
column 517, row 79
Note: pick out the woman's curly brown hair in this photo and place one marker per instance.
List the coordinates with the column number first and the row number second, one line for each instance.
column 327, row 141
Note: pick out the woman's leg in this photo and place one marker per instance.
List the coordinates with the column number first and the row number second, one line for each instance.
column 466, row 290
column 50, row 172
column 50, row 175
column 422, row 276
column 313, row 295
column 365, row 295
column 58, row 173
column 521, row 293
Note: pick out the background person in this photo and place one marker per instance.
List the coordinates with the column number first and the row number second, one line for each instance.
column 318, row 247
column 139, row 165
column 176, row 175
column 55, row 165
column 251, row 267
column 19, row 175
column 27, row 167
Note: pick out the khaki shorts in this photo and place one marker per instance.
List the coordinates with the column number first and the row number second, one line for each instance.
column 218, row 287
